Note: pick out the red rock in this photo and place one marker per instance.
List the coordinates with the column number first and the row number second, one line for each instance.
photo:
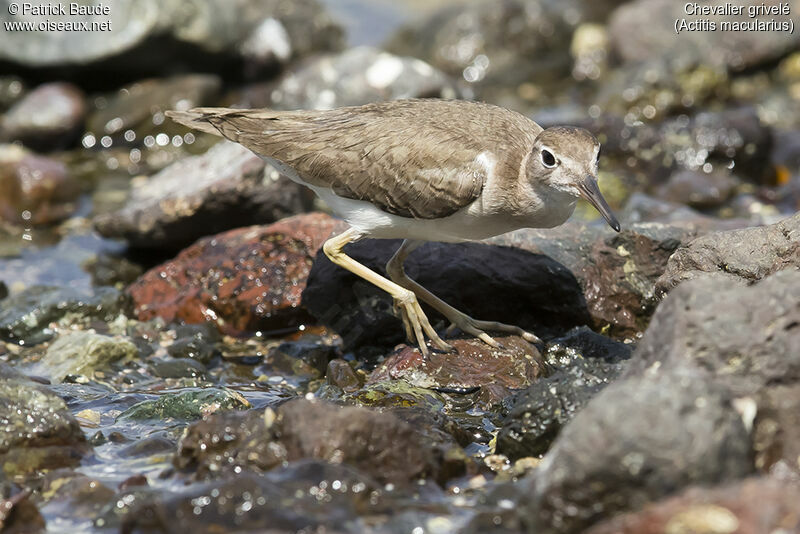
column 474, row 364
column 243, row 280
column 753, row 506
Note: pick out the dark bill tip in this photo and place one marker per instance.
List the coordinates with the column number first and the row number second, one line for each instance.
column 591, row 192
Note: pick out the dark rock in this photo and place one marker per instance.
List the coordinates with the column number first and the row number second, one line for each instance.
column 500, row 44
column 34, row 189
column 642, row 208
column 487, row 282
column 196, row 342
column 513, row 367
column 26, row 317
column 745, row 255
column 212, row 34
column 37, row 430
column 304, row 360
column 243, row 280
column 306, row 496
column 74, row 495
column 748, row 335
column 112, row 270
column 622, row 450
column 187, row 404
column 636, row 38
column 179, row 368
column 616, row 272
column 376, row 443
column 361, row 75
column 582, row 363
column 776, row 429
column 752, row 506
column 50, row 116
column 699, row 189
column 18, row 513
column 227, row 187
column 342, row 375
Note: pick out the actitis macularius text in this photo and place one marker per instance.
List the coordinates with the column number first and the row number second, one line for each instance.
column 422, row 170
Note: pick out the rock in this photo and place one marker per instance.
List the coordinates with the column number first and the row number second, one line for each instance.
column 636, row 38
column 50, row 116
column 227, row 187
column 82, row 353
column 699, row 189
column 243, row 280
column 340, row 374
column 304, row 496
column 188, row 404
column 37, row 430
column 487, row 282
column 616, row 272
column 34, row 189
column 196, row 342
column 213, row 33
column 179, row 368
column 300, row 360
column 776, row 428
column 376, row 443
column 622, row 450
column 745, row 255
column 642, row 208
column 751, row 506
column 26, row 317
column 581, row 364
column 513, row 367
column 500, row 44
column 715, row 324
column 359, row 76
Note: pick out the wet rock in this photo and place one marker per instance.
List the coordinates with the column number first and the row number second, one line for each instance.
column 642, row 208
column 196, row 342
column 748, row 507
column 187, row 404
column 745, row 255
column 582, row 363
column 746, row 334
column 37, row 430
column 26, row 317
column 340, row 374
column 243, row 280
column 210, row 34
column 635, row 38
column 699, row 189
column 622, row 450
column 18, row 512
column 373, row 442
column 500, row 44
column 616, row 272
column 50, row 116
column 302, row 360
column 34, row 189
column 303, row 496
column 112, row 270
column 227, row 187
column 487, row 282
column 82, row 353
column 179, row 368
column 513, row 367
column 74, row 495
column 360, row 75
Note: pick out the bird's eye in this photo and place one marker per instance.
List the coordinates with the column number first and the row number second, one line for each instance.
column 548, row 159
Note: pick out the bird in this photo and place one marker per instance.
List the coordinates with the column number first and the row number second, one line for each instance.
column 422, row 170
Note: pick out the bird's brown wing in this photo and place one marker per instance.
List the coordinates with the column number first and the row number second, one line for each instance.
column 407, row 158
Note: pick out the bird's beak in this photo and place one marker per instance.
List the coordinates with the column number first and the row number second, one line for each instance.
column 589, row 190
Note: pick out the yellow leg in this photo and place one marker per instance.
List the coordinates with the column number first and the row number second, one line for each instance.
column 457, row 319
column 414, row 319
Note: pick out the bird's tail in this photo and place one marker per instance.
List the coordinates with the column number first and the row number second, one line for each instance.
column 200, row 118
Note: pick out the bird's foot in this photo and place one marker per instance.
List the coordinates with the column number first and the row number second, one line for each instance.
column 477, row 328
column 417, row 325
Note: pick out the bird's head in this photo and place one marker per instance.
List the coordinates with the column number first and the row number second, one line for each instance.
column 565, row 159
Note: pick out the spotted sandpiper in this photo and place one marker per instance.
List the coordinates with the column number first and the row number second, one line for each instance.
column 422, row 170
